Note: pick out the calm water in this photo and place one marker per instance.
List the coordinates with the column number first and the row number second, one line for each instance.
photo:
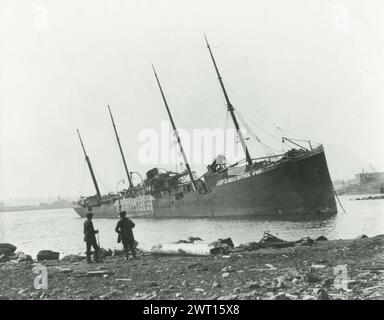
column 61, row 229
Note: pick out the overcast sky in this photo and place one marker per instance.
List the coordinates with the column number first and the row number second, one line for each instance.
column 314, row 68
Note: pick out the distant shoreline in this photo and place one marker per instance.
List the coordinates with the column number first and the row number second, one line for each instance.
column 32, row 208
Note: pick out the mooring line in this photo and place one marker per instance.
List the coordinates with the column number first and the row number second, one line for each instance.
column 337, row 197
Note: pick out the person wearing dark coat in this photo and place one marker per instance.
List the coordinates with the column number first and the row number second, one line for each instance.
column 90, row 238
column 124, row 229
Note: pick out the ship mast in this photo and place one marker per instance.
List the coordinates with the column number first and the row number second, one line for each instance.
column 231, row 109
column 90, row 167
column 175, row 131
column 121, row 151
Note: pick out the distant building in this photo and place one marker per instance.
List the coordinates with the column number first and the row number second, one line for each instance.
column 367, row 177
column 363, row 183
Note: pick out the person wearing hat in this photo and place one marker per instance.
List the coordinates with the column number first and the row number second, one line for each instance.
column 90, row 238
column 124, row 229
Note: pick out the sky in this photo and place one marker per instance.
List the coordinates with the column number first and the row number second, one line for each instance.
column 315, row 69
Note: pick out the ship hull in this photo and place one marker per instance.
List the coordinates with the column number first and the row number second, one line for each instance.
column 296, row 187
column 102, row 211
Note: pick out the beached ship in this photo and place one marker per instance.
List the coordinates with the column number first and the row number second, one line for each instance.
column 293, row 183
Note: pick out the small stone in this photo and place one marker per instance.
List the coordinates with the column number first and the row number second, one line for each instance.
column 227, row 269
column 216, row 284
column 225, row 275
column 247, row 295
column 199, row 290
column 153, row 284
column 327, row 283
column 22, row 291
column 291, row 274
column 311, row 278
column 178, row 295
column 253, row 285
column 318, row 266
column 321, row 294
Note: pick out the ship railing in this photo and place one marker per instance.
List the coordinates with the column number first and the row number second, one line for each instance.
column 270, row 161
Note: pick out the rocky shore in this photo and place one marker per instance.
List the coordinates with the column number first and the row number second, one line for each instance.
column 308, row 269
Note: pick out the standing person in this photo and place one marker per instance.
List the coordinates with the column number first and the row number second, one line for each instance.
column 124, row 229
column 90, row 238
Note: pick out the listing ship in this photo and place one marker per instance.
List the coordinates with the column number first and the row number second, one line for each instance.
column 295, row 183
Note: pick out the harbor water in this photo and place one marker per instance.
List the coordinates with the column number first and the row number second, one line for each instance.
column 62, row 229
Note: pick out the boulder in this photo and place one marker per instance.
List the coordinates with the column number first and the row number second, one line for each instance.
column 47, row 255
column 7, row 248
column 227, row 241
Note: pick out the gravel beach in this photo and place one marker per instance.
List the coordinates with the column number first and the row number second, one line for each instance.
column 330, row 269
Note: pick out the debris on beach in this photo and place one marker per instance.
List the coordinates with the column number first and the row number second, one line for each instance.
column 361, row 236
column 312, row 272
column 378, row 197
column 73, row 258
column 196, row 249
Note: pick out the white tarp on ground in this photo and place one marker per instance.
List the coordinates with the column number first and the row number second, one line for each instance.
column 196, row 249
